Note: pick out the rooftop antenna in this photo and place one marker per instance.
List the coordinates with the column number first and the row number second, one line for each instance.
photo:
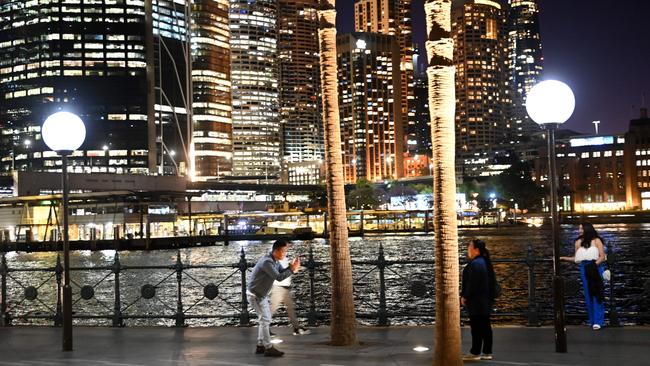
column 596, row 123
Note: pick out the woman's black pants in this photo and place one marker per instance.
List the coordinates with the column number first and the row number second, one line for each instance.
column 481, row 334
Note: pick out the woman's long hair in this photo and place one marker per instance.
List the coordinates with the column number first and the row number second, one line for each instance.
column 485, row 253
column 588, row 234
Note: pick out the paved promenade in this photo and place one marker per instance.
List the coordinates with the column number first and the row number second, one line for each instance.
column 24, row 346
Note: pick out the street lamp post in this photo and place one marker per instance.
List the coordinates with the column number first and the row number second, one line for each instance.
column 551, row 103
column 64, row 132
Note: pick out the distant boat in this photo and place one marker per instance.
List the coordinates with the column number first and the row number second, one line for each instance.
column 287, row 227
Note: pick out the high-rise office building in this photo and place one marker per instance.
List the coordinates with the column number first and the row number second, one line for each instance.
column 370, row 106
column 422, row 131
column 212, row 104
column 255, row 90
column 121, row 66
column 302, row 128
column 524, row 63
column 479, row 29
column 393, row 17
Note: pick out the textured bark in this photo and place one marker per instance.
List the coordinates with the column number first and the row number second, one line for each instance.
column 442, row 104
column 343, row 328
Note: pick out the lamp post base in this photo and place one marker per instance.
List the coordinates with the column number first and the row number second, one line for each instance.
column 67, row 318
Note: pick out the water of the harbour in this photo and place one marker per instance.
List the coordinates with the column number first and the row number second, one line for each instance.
column 629, row 246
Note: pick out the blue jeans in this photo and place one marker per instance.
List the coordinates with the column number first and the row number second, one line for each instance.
column 263, row 310
column 595, row 309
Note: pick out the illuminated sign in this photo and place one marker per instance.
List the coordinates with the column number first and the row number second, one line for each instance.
column 592, row 141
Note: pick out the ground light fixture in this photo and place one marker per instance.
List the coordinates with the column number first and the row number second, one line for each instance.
column 551, row 103
column 64, row 132
column 420, row 349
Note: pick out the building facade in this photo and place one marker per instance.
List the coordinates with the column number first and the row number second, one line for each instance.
column 300, row 108
column 393, row 17
column 122, row 67
column 479, row 29
column 524, row 64
column 370, row 106
column 212, row 94
column 255, row 89
column 603, row 172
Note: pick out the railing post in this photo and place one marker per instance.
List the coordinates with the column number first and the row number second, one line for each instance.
column 225, row 230
column 4, row 317
column 533, row 311
column 311, row 266
column 58, row 270
column 361, row 230
column 381, row 264
column 180, row 317
column 426, row 222
column 117, row 305
column 325, row 232
column 613, row 315
column 244, row 318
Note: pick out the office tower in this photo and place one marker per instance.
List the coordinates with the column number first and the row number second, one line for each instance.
column 121, row 66
column 370, row 105
column 481, row 95
column 393, row 17
column 422, row 130
column 300, row 115
column 212, row 104
column 255, row 93
column 524, row 63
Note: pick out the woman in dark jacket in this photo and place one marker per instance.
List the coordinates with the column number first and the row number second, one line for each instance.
column 477, row 296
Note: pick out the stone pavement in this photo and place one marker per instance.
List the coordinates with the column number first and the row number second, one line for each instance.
column 24, row 346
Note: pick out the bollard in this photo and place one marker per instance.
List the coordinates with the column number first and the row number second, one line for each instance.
column 426, row 222
column 533, row 311
column 117, row 304
column 244, row 318
column 180, row 317
column 58, row 270
column 311, row 266
column 381, row 263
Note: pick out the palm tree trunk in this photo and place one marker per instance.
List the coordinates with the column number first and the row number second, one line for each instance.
column 442, row 107
column 343, row 327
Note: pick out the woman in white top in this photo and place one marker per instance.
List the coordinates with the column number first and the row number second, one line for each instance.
column 590, row 255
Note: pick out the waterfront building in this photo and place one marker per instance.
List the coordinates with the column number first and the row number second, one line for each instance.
column 393, row 17
column 302, row 126
column 122, row 67
column 479, row 33
column 524, row 64
column 370, row 106
column 422, row 133
column 603, row 172
column 255, row 90
column 637, row 151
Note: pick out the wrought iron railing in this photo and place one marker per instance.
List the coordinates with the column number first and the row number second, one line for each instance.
column 386, row 292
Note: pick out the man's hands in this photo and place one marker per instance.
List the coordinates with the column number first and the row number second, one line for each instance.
column 294, row 265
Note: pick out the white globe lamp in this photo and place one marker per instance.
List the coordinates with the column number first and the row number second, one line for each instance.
column 550, row 101
column 63, row 131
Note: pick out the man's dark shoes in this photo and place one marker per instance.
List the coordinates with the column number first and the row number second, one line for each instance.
column 259, row 350
column 273, row 352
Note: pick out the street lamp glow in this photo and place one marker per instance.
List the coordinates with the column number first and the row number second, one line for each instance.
column 550, row 101
column 493, row 195
column 63, row 131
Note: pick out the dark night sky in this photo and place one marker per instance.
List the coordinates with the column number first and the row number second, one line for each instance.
column 600, row 48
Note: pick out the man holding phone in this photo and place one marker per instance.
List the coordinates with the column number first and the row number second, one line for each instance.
column 267, row 270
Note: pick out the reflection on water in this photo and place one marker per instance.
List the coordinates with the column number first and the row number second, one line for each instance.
column 628, row 245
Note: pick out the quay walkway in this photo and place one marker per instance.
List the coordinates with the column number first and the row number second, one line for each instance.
column 22, row 346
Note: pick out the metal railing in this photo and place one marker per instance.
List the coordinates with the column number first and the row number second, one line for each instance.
column 386, row 292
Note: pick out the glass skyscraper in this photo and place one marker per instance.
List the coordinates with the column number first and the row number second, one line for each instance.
column 255, row 89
